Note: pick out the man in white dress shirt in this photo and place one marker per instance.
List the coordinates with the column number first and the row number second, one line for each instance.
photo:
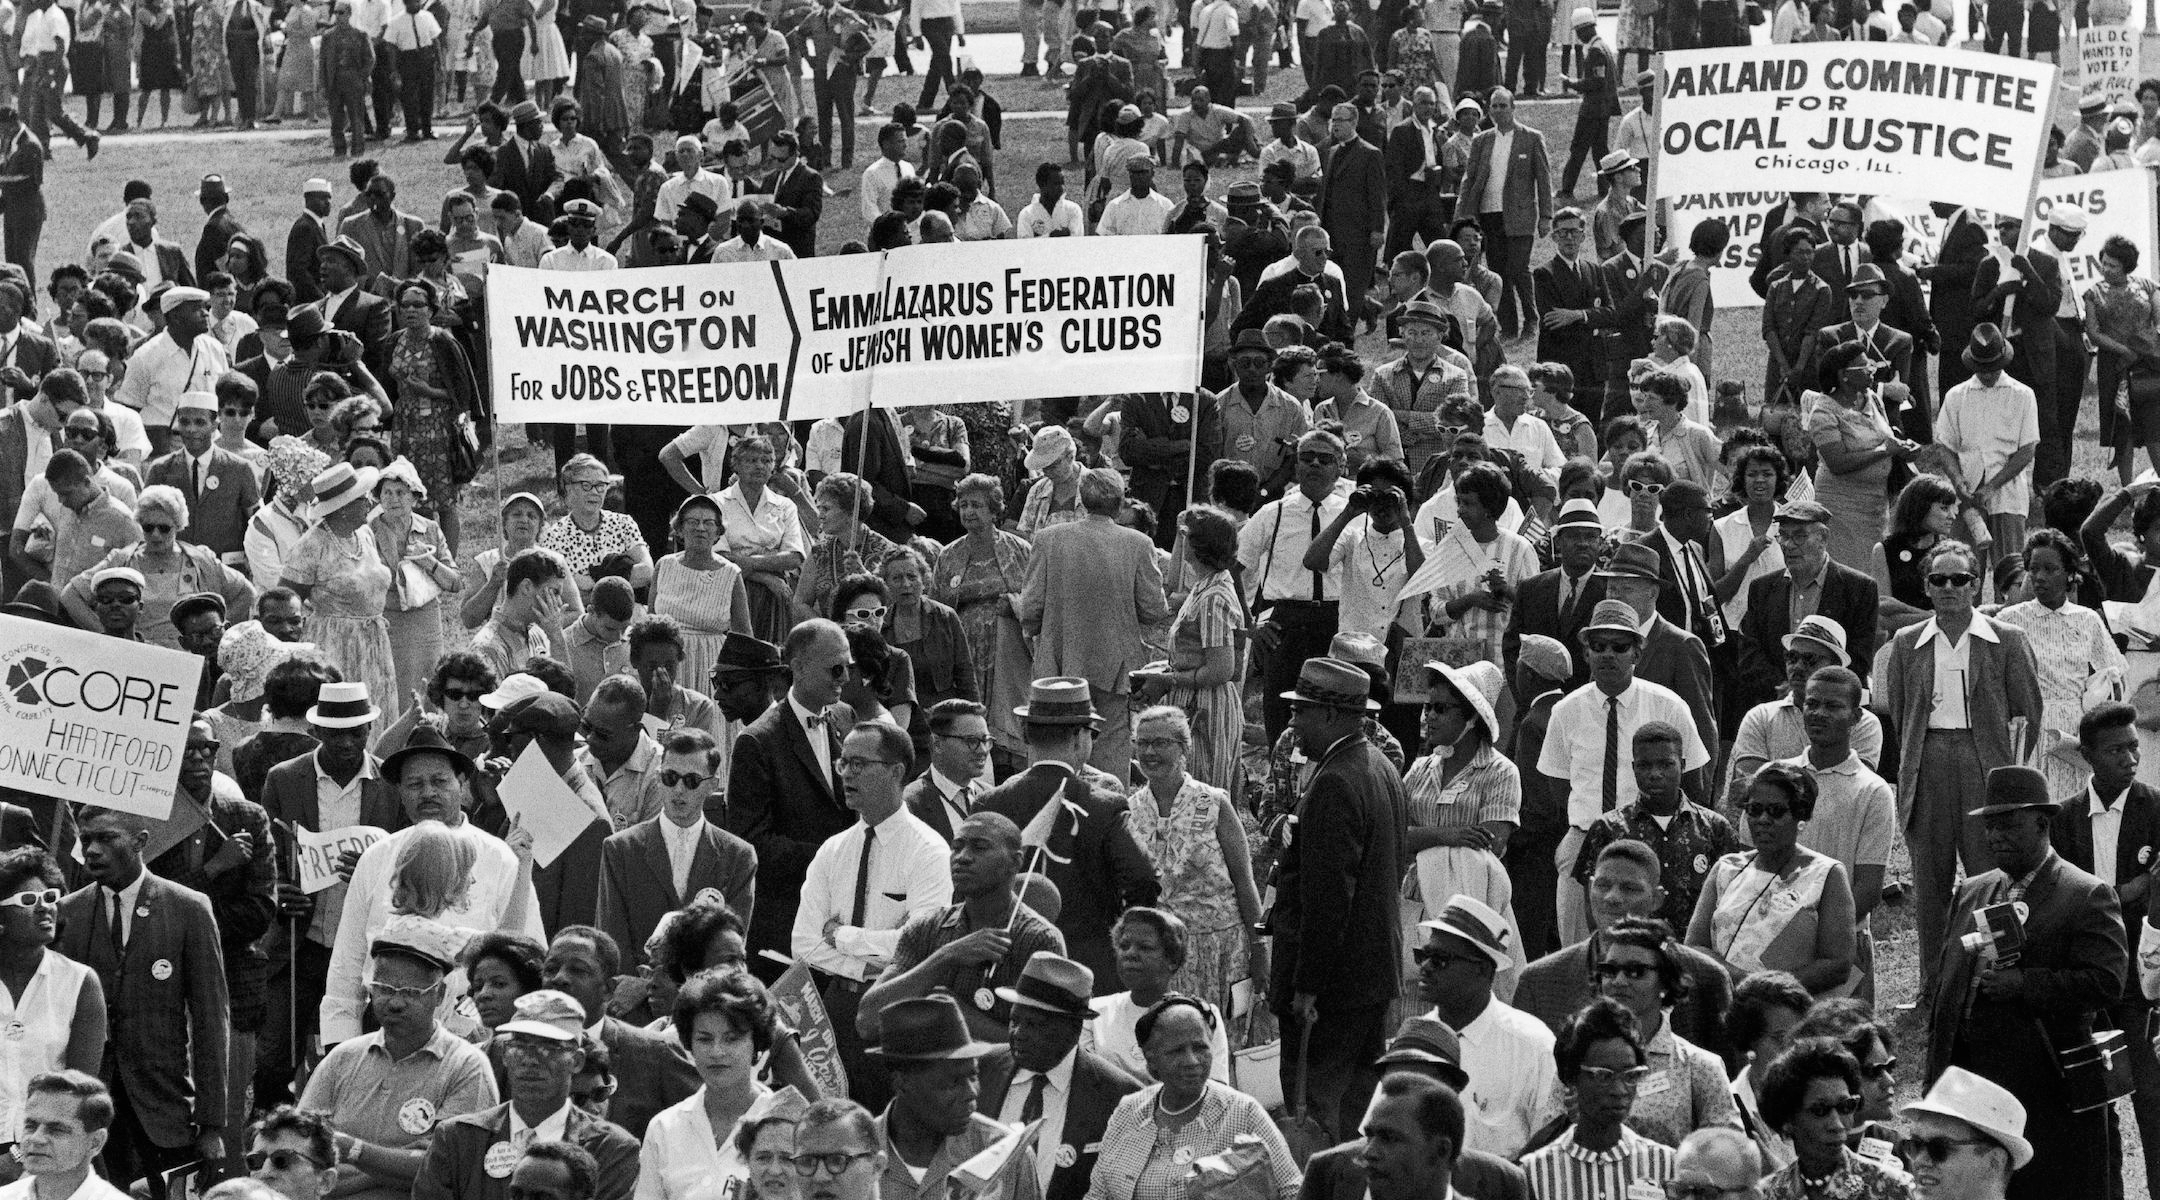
column 881, row 177
column 583, row 217
column 1507, row 1053
column 1049, row 1076
column 692, row 177
column 750, row 243
column 1050, row 214
column 1140, row 209
column 65, row 1119
column 434, row 784
column 864, row 883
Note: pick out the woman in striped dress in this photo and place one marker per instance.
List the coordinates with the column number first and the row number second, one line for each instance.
column 1465, row 800
column 1205, row 641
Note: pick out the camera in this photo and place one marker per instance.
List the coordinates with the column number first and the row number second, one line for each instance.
column 1998, row 933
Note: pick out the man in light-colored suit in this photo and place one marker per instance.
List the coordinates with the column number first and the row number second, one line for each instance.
column 1074, row 607
column 220, row 487
column 660, row 865
column 1512, row 199
column 164, row 981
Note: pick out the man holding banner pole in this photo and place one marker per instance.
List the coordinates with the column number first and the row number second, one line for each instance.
column 2020, row 294
column 2059, row 419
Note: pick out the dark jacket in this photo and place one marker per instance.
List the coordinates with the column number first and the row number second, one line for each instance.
column 800, row 193
column 2137, row 845
column 301, row 242
column 1848, row 597
column 1097, row 1086
column 884, row 468
column 1337, row 909
column 637, row 881
column 219, row 229
column 780, row 803
column 1555, row 987
column 456, row 1164
column 1537, row 611
column 1158, row 447
column 1105, row 871
column 652, row 1071
column 1353, row 195
column 1336, row 1174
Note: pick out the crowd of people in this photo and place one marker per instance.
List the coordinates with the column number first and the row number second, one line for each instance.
column 1496, row 742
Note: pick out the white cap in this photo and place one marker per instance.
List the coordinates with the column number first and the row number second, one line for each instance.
column 2067, row 217
column 175, row 297
column 315, row 187
column 200, row 401
column 118, row 575
column 1582, row 17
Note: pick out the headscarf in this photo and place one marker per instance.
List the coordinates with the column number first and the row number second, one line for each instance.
column 404, row 472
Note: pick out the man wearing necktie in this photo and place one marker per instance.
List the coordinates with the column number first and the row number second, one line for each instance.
column 959, row 766
column 1418, row 207
column 219, row 485
column 1048, row 1076
column 1571, row 300
column 1840, row 256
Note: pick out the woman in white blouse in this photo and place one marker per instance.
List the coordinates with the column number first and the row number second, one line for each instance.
column 725, row 1021
column 1151, row 945
column 2079, row 664
column 52, row 1006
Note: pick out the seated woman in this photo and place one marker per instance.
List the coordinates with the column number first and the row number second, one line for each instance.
column 1157, row 1132
column 1151, row 945
column 1781, row 906
column 1765, row 1007
column 1638, row 965
column 1602, row 1064
column 170, row 568
column 1811, row 1095
column 594, row 540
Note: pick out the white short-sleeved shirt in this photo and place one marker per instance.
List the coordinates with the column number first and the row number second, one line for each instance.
column 712, row 441
column 1509, row 1056
column 1984, row 426
column 1036, row 222
column 1371, row 568
column 1855, row 813
column 1128, row 214
column 1574, row 750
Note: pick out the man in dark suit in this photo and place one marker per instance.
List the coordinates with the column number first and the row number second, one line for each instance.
column 1157, row 448
column 797, row 192
column 1571, row 302
column 154, row 946
column 310, row 232
column 2006, row 1018
column 40, row 416
column 1336, row 910
column 144, row 243
column 883, row 466
column 1670, row 656
column 1310, row 249
column 944, row 795
column 639, row 879
column 1825, row 586
column 1867, row 295
column 784, row 789
column 652, row 1071
column 1353, row 202
column 350, row 308
column 219, row 485
column 1424, row 1047
column 1418, row 205
column 219, row 226
column 23, row 365
column 1633, row 283
column 1089, row 851
column 1950, row 294
column 1558, row 603
column 1599, row 87
column 471, row 1157
column 1838, row 258
column 1512, row 199
column 2021, row 297
column 525, row 166
column 2116, row 805
column 568, row 889
column 1046, row 1074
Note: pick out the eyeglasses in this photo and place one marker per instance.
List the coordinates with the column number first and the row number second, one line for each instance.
column 850, row 764
column 868, row 613
column 84, row 432
column 468, row 695
column 979, row 741
column 1823, row 1108
column 1936, row 1149
column 1951, row 579
column 1770, row 812
column 95, row 374
column 281, row 1160
column 1702, row 1189
column 200, row 750
column 1625, row 1077
column 1608, row 645
column 684, row 779
column 157, row 526
column 596, row 486
column 48, row 897
column 806, row 1165
column 525, row 1043
column 1637, row 487
column 1312, row 458
column 1634, row 971
column 1440, row 960
column 390, row 991
column 1882, row 1070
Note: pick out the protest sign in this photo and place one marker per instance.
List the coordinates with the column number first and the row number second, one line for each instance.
column 1744, row 214
column 2116, row 203
column 795, row 994
column 1863, row 118
column 537, row 798
column 2108, row 60
column 92, row 718
column 823, row 337
column 316, row 854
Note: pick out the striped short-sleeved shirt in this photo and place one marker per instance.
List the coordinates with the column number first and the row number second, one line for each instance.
column 1563, row 1170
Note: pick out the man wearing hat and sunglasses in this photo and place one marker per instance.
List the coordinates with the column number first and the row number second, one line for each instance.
column 1967, row 1138
column 1996, row 425
column 1048, row 1074
column 2007, row 1010
column 1336, row 905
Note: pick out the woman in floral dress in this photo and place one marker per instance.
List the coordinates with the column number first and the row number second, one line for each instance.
column 437, row 397
column 1637, row 33
column 1191, row 832
column 338, row 570
column 1203, row 675
column 593, row 540
column 701, row 590
column 210, row 74
column 295, row 94
column 1414, row 52
column 418, row 556
column 1811, row 1094
column 980, row 576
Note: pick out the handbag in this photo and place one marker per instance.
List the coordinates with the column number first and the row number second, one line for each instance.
column 1240, row 1173
column 464, row 451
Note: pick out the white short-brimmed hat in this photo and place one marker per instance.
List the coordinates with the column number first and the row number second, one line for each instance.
column 342, row 706
column 196, row 402
column 339, row 486
column 1052, row 442
column 1981, row 1103
column 1821, row 631
column 118, row 575
column 1475, row 922
column 175, row 297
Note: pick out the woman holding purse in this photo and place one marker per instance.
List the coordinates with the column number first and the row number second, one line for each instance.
column 441, row 422
column 423, row 568
column 2122, row 317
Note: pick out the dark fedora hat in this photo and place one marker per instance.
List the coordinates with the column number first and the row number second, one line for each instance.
column 2012, row 788
column 304, row 324
column 926, row 1029
column 741, row 654
column 37, row 601
column 1630, row 560
column 1988, row 349
column 425, row 740
column 1053, row 984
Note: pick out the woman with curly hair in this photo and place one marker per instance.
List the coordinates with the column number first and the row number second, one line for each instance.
column 703, row 591
column 442, row 421
column 171, row 568
column 1638, row 965
column 845, row 545
column 726, row 1020
column 1748, row 534
column 1781, row 906
column 881, row 684
column 1602, row 1060
column 249, row 265
column 980, row 576
column 1811, row 1097
column 2080, row 666
column 1206, row 638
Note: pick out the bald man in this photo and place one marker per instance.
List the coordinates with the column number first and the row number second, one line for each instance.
column 1720, row 1161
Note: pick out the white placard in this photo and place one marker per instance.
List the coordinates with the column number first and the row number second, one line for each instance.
column 544, row 805
column 92, row 718
column 316, row 855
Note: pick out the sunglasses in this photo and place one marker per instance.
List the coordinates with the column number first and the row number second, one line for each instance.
column 1637, row 487
column 1628, row 1077
column 48, row 898
column 96, row 374
column 156, row 526
column 1440, row 960
column 1608, row 645
column 1951, row 579
column 1634, row 971
column 684, row 779
column 1823, row 1108
column 200, row 750
column 1770, row 812
column 450, row 694
column 1451, row 432
column 1701, row 1189
column 595, row 486
column 867, row 613
column 1315, row 459
column 1934, row 1149
column 281, row 1160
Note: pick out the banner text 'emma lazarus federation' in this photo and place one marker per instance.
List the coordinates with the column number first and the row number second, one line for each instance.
column 825, row 336
column 1874, row 118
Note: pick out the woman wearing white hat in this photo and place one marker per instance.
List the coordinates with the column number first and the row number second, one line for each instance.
column 1054, row 498
column 339, row 571
column 424, row 570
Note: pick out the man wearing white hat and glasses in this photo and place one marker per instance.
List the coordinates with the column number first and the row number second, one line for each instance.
column 182, row 358
column 1967, row 1139
column 117, row 592
column 340, row 784
column 1506, row 1052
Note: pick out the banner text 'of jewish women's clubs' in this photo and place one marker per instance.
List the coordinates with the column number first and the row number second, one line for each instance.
column 1863, row 118
column 821, row 337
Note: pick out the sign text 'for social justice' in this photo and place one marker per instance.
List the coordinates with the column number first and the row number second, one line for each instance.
column 821, row 337
column 1873, row 118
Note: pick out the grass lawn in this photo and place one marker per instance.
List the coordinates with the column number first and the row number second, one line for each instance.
column 265, row 174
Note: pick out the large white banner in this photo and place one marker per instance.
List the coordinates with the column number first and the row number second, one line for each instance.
column 92, row 718
column 1859, row 118
column 2115, row 203
column 821, row 337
